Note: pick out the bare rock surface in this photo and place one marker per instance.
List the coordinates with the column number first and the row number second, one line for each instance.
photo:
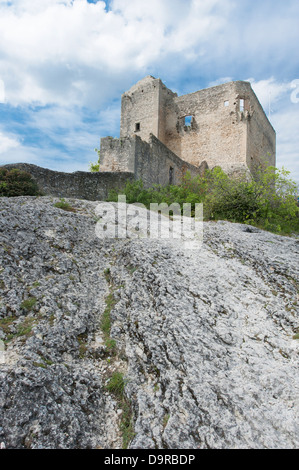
column 205, row 337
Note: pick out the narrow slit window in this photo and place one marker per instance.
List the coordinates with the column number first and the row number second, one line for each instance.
column 242, row 105
column 137, row 127
column 171, row 175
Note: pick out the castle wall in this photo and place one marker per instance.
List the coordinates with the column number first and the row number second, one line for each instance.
column 228, row 128
column 152, row 162
column 81, row 185
column 156, row 164
column 140, row 107
column 117, row 154
column 261, row 137
column 166, row 98
column 216, row 134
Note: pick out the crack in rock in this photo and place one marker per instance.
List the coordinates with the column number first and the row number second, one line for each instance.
column 205, row 337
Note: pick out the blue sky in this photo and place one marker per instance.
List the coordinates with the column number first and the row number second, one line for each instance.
column 65, row 63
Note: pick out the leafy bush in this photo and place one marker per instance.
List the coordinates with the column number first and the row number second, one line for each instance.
column 267, row 200
column 95, row 167
column 135, row 192
column 17, row 183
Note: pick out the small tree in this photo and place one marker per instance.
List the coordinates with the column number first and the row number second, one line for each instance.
column 267, row 200
column 277, row 196
column 16, row 182
column 94, row 167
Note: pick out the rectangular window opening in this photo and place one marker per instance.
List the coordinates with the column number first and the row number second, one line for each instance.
column 137, row 127
column 188, row 121
column 226, row 103
column 242, row 105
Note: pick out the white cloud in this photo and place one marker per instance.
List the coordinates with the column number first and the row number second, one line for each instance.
column 220, row 81
column 7, row 143
column 55, row 51
column 72, row 51
column 65, row 137
column 270, row 91
column 2, row 91
column 276, row 99
column 285, row 123
column 76, row 55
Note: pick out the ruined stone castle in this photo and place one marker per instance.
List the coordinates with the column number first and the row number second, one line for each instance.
column 162, row 134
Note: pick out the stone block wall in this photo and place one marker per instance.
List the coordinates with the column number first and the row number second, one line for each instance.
column 261, row 137
column 117, row 154
column 143, row 109
column 140, row 109
column 152, row 162
column 156, row 164
column 223, row 125
column 81, row 185
column 216, row 132
column 228, row 127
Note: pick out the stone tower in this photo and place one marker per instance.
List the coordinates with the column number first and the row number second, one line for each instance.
column 223, row 125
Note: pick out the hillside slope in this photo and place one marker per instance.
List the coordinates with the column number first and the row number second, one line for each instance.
column 205, row 338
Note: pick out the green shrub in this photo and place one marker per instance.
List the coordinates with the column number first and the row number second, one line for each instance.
column 17, row 183
column 136, row 193
column 267, row 200
column 25, row 328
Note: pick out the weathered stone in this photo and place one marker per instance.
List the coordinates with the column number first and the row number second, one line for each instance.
column 80, row 184
column 228, row 126
column 205, row 338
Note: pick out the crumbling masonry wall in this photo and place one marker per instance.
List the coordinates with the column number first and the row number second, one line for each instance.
column 80, row 184
column 152, row 162
column 223, row 125
column 143, row 109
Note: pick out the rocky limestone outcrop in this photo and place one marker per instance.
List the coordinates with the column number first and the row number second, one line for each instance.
column 205, row 338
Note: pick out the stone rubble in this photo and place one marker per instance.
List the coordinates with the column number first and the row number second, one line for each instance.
column 205, row 337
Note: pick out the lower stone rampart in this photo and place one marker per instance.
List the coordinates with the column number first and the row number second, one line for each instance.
column 80, row 184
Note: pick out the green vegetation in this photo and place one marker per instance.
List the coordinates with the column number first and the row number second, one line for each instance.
column 116, row 383
column 116, row 386
column 107, row 275
column 25, row 328
column 106, row 323
column 5, row 323
column 35, row 284
column 28, row 304
column 62, row 204
column 17, row 183
column 94, row 167
column 165, row 420
column 40, row 364
column 44, row 364
column 268, row 200
column 82, row 340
